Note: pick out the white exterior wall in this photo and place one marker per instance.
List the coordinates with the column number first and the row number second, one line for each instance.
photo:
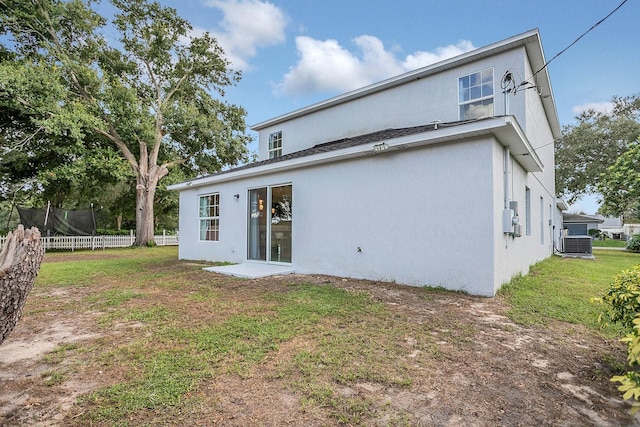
column 415, row 103
column 233, row 219
column 514, row 255
column 408, row 211
column 631, row 229
column 420, row 216
column 409, row 214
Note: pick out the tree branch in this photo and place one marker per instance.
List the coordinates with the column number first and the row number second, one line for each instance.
column 113, row 136
column 172, row 92
column 172, row 163
column 21, row 144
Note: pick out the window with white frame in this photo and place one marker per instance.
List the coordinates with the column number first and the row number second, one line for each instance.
column 275, row 145
column 209, row 216
column 475, row 95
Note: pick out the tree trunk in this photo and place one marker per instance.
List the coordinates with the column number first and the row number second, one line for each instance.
column 20, row 261
column 145, row 195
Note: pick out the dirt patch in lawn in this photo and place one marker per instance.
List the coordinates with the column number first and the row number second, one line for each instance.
column 470, row 365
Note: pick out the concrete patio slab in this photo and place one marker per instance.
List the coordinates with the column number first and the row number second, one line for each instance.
column 251, row 270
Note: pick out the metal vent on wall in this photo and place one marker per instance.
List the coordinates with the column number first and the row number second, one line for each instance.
column 578, row 245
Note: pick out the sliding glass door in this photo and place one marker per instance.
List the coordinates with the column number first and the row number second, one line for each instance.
column 257, row 224
column 270, row 224
column 281, row 221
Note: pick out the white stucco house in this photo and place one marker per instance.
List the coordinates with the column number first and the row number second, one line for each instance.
column 443, row 176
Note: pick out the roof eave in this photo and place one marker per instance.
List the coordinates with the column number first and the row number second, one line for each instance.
column 538, row 63
column 505, row 129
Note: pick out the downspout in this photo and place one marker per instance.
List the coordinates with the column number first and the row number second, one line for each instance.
column 507, row 212
column 507, row 174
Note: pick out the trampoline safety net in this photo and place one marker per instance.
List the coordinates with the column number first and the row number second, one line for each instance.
column 59, row 221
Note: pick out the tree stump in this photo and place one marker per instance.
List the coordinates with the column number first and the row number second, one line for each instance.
column 20, row 261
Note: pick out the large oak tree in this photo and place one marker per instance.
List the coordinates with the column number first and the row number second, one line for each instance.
column 153, row 95
column 620, row 185
column 593, row 144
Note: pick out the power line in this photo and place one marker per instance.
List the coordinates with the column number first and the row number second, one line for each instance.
column 581, row 36
column 537, row 148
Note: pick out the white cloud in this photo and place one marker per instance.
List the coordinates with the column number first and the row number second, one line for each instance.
column 324, row 65
column 246, row 26
column 421, row 59
column 327, row 66
column 601, row 107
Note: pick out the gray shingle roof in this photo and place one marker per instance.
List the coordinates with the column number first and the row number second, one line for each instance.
column 338, row 144
column 580, row 219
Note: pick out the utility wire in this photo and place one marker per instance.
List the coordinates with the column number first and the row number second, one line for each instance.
column 537, row 148
column 581, row 36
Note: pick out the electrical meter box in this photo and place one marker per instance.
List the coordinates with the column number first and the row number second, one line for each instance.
column 507, row 221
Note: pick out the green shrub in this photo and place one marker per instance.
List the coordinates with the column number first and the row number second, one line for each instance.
column 633, row 244
column 109, row 232
column 630, row 382
column 622, row 299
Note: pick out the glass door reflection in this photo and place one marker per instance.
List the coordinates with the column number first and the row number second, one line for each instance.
column 258, row 215
column 281, row 223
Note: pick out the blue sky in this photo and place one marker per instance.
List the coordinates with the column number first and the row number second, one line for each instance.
column 296, row 52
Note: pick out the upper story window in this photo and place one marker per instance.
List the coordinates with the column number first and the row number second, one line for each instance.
column 209, row 216
column 275, row 144
column 475, row 95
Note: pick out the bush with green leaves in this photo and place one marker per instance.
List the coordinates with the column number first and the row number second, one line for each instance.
column 594, row 233
column 622, row 299
column 633, row 244
column 630, row 382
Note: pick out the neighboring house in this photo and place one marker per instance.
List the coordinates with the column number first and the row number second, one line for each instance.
column 629, row 230
column 612, row 226
column 434, row 177
column 579, row 225
column 615, row 228
column 576, row 238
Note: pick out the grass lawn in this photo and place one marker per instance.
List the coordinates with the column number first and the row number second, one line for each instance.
column 562, row 288
column 174, row 345
column 609, row 243
column 192, row 327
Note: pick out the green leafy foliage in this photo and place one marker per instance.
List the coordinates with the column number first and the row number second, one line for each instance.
column 622, row 298
column 589, row 147
column 620, row 183
column 630, row 382
column 633, row 244
column 83, row 112
column 594, row 233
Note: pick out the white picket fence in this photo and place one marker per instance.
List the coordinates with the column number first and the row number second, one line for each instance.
column 72, row 243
